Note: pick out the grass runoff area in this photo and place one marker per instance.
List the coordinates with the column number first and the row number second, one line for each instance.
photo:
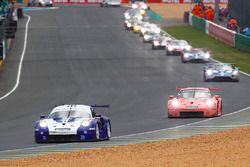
column 220, row 51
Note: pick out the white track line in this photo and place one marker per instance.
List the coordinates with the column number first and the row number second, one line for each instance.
column 20, row 63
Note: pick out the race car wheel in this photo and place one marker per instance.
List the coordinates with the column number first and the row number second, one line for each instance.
column 108, row 131
column 168, row 53
column 97, row 133
column 153, row 47
column 205, row 79
column 183, row 61
column 101, row 5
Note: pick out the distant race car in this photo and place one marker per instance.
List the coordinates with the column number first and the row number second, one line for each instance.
column 134, row 13
column 41, row 3
column 177, row 47
column 160, row 42
column 196, row 55
column 140, row 5
column 107, row 3
column 221, row 71
column 149, row 27
column 73, row 123
column 194, row 102
column 129, row 24
column 150, row 36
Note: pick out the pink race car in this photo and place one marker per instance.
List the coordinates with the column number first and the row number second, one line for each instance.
column 194, row 102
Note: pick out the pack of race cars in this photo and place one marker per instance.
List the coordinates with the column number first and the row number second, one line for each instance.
column 193, row 101
column 81, row 123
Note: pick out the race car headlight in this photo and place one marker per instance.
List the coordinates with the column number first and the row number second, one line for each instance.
column 140, row 17
column 143, row 30
column 207, row 55
column 43, row 123
column 210, row 103
column 146, row 37
column 157, row 30
column 134, row 6
column 209, row 72
column 129, row 24
column 136, row 27
column 175, row 103
column 142, row 12
column 127, row 17
column 186, row 55
column 156, row 43
column 144, row 6
column 50, row 2
column 170, row 48
column 85, row 123
column 235, row 72
column 188, row 47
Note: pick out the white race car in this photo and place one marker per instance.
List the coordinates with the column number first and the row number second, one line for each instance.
column 149, row 27
column 42, row 3
column 107, row 3
column 196, row 55
column 177, row 47
column 73, row 123
column 161, row 42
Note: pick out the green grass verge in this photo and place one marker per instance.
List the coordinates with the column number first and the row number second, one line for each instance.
column 221, row 51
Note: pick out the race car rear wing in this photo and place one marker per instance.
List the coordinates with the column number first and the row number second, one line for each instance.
column 100, row 106
column 210, row 88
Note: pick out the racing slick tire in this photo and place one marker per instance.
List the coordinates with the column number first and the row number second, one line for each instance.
column 97, row 133
column 183, row 61
column 153, row 47
column 168, row 53
column 101, row 5
column 108, row 130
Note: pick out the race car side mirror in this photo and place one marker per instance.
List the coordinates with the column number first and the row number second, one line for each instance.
column 42, row 116
column 171, row 97
column 217, row 97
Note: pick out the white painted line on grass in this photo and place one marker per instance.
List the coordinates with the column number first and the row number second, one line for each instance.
column 21, row 61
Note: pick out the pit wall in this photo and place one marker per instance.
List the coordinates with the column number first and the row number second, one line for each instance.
column 220, row 33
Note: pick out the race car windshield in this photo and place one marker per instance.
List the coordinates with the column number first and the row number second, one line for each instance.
column 69, row 114
column 223, row 67
column 196, row 94
column 179, row 43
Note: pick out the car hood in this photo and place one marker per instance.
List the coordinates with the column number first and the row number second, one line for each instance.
column 194, row 102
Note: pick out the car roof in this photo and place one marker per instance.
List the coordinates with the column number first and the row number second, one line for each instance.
column 75, row 107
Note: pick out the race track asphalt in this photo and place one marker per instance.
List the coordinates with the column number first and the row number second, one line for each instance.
column 82, row 54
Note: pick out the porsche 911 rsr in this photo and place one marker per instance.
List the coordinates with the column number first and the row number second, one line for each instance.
column 177, row 47
column 194, row 102
column 150, row 36
column 196, row 55
column 160, row 42
column 107, row 3
column 221, row 71
column 42, row 3
column 72, row 123
column 149, row 27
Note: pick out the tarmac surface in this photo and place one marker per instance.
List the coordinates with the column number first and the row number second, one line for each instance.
column 83, row 55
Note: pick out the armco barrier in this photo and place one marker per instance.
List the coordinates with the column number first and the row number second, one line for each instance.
column 242, row 42
column 222, row 34
column 199, row 23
